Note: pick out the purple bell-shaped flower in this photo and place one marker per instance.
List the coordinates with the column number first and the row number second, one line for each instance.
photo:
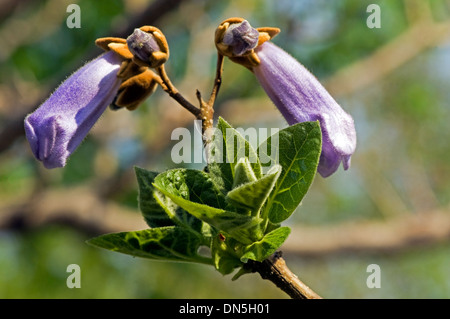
column 61, row 123
column 297, row 93
column 300, row 97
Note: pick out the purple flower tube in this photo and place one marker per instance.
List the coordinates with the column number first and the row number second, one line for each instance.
column 297, row 94
column 300, row 97
column 61, row 123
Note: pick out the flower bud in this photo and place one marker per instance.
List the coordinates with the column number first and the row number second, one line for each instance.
column 237, row 39
column 148, row 46
column 142, row 44
column 241, row 38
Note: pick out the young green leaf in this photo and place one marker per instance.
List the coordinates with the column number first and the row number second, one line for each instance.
column 195, row 192
column 224, row 257
column 252, row 195
column 162, row 243
column 299, row 151
column 243, row 228
column 243, row 172
column 151, row 210
column 190, row 184
column 159, row 210
column 262, row 249
column 225, row 151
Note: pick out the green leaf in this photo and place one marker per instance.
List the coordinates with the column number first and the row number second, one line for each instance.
column 262, row 249
column 151, row 209
column 243, row 172
column 159, row 210
column 299, row 148
column 224, row 257
column 162, row 243
column 227, row 148
column 193, row 185
column 253, row 195
column 195, row 192
column 244, row 228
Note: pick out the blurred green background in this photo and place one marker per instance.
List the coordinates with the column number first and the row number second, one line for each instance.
column 390, row 208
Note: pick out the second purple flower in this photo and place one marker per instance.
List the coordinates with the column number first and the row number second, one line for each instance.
column 298, row 95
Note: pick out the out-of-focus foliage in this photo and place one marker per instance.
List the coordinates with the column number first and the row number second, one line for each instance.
column 400, row 167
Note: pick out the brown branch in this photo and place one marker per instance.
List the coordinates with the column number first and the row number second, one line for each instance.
column 206, row 111
column 170, row 89
column 208, row 108
column 275, row 269
column 217, row 80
